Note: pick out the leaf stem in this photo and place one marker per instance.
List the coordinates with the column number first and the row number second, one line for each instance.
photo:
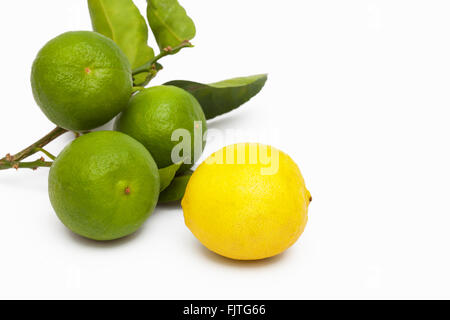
column 166, row 52
column 14, row 161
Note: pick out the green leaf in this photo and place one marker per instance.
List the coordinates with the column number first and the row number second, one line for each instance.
column 167, row 174
column 222, row 97
column 175, row 191
column 169, row 22
column 121, row 21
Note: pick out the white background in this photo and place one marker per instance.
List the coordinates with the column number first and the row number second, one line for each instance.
column 358, row 95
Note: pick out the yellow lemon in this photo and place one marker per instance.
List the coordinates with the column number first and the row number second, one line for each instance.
column 247, row 202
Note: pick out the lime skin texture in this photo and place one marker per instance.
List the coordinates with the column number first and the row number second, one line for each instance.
column 81, row 80
column 104, row 185
column 154, row 114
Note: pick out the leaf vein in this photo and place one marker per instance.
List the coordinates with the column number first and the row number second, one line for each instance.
column 108, row 21
column 155, row 12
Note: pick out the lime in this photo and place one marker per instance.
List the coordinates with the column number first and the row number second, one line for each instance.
column 247, row 202
column 155, row 113
column 81, row 80
column 104, row 185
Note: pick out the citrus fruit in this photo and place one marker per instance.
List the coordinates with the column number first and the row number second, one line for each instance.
column 104, row 185
column 81, row 80
column 247, row 202
column 154, row 114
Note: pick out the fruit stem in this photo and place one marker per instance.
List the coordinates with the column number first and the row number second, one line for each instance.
column 30, row 165
column 14, row 161
column 48, row 154
column 137, row 89
column 165, row 52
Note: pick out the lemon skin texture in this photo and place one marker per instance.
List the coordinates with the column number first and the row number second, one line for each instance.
column 104, row 185
column 238, row 212
column 81, row 80
column 154, row 114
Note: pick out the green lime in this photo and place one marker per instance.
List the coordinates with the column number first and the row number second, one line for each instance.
column 153, row 116
column 81, row 80
column 104, row 185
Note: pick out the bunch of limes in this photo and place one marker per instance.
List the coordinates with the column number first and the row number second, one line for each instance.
column 105, row 184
